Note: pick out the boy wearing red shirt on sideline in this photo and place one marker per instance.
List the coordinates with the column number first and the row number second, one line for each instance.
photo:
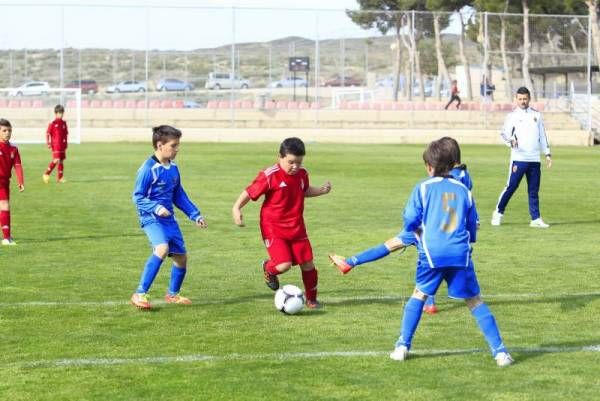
column 56, row 138
column 9, row 158
column 285, row 185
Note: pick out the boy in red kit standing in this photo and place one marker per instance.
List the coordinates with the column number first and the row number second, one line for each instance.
column 9, row 158
column 285, row 185
column 56, row 138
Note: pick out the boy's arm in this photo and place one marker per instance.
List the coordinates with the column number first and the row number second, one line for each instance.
column 413, row 211
column 183, row 203
column 48, row 135
column 142, row 185
column 472, row 221
column 19, row 171
column 318, row 191
column 66, row 135
column 236, row 210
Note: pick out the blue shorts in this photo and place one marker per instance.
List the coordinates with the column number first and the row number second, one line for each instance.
column 462, row 282
column 167, row 232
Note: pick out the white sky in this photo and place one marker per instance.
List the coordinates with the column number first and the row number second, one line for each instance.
column 182, row 25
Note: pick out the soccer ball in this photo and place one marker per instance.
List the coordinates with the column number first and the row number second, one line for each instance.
column 289, row 299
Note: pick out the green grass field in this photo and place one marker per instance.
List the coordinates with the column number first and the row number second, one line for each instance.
column 68, row 333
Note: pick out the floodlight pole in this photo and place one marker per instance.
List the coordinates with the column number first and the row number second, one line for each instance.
column 589, row 79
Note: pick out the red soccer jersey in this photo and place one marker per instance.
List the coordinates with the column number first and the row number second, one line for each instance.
column 9, row 158
column 281, row 215
column 56, row 135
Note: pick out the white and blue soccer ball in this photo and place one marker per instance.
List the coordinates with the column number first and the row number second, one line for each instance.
column 289, row 299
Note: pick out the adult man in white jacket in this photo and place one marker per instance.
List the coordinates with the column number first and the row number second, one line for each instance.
column 524, row 133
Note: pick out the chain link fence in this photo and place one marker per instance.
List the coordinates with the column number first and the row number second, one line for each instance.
column 237, row 59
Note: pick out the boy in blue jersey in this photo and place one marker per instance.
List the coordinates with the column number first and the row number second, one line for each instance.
column 157, row 190
column 441, row 218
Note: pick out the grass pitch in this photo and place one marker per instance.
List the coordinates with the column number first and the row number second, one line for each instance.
column 67, row 332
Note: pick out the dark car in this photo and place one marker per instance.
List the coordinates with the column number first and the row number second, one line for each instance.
column 87, row 85
column 347, row 81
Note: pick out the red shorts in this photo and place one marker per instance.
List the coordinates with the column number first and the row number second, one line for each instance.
column 294, row 251
column 59, row 154
column 4, row 192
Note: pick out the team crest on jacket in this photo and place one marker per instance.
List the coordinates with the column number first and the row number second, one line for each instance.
column 515, row 168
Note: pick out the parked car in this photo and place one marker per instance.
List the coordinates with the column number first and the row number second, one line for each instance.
column 172, row 84
column 88, row 86
column 347, row 81
column 127, row 86
column 31, row 88
column 289, row 83
column 218, row 80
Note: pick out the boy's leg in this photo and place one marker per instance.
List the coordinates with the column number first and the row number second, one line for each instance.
column 413, row 310
column 302, row 255
column 280, row 261
column 158, row 238
column 533, row 188
column 5, row 219
column 178, row 271
column 150, row 271
column 61, row 170
column 51, row 165
column 430, row 306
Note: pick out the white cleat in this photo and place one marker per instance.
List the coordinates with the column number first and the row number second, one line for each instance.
column 503, row 359
column 400, row 353
column 538, row 223
column 497, row 218
column 8, row 242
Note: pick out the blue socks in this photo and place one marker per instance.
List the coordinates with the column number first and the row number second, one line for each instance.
column 430, row 300
column 149, row 274
column 177, row 276
column 377, row 252
column 487, row 325
column 412, row 314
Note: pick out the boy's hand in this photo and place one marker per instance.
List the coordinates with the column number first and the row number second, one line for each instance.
column 21, row 187
column 238, row 218
column 326, row 188
column 163, row 212
column 548, row 161
column 200, row 222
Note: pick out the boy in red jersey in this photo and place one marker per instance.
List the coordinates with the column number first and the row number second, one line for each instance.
column 285, row 185
column 56, row 138
column 9, row 158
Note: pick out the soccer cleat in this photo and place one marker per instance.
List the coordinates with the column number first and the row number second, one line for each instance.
column 400, row 353
column 503, row 359
column 313, row 304
column 497, row 218
column 140, row 301
column 8, row 242
column 538, row 223
column 430, row 309
column 340, row 262
column 177, row 299
column 271, row 280
column 62, row 181
column 45, row 178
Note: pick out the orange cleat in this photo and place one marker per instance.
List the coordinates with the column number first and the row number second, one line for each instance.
column 177, row 299
column 340, row 262
column 313, row 304
column 431, row 309
column 140, row 301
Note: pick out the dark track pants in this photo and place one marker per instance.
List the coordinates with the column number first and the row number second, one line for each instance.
column 532, row 171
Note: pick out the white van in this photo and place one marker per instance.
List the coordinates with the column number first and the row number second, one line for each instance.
column 222, row 80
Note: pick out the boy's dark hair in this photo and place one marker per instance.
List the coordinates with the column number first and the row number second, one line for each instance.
column 523, row 91
column 5, row 123
column 163, row 134
column 59, row 109
column 292, row 146
column 453, row 147
column 439, row 156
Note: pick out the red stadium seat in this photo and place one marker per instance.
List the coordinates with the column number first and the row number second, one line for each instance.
column 315, row 105
column 95, row 103
column 269, row 105
column 118, row 104
column 3, row 103
column 13, row 104
column 71, row 104
column 38, row 104
column 166, row 104
column 130, row 104
column 141, row 104
column 281, row 104
column 247, row 104
column 387, row 106
column 25, row 103
column 292, row 105
column 237, row 104
column 107, row 104
column 376, row 106
column 224, row 104
column 178, row 104
column 364, row 106
column 153, row 104
column 304, row 105
column 212, row 104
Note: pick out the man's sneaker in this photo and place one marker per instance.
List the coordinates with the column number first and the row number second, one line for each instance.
column 46, row 178
column 497, row 218
column 503, row 359
column 62, row 181
column 8, row 242
column 431, row 309
column 340, row 262
column 140, row 301
column 538, row 223
column 400, row 353
column 271, row 280
column 313, row 304
column 177, row 299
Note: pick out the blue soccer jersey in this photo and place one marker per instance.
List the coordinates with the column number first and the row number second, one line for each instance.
column 442, row 212
column 462, row 175
column 159, row 186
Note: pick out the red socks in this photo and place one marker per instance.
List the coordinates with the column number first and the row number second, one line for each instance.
column 270, row 267
column 310, row 278
column 61, row 169
column 50, row 168
column 5, row 223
